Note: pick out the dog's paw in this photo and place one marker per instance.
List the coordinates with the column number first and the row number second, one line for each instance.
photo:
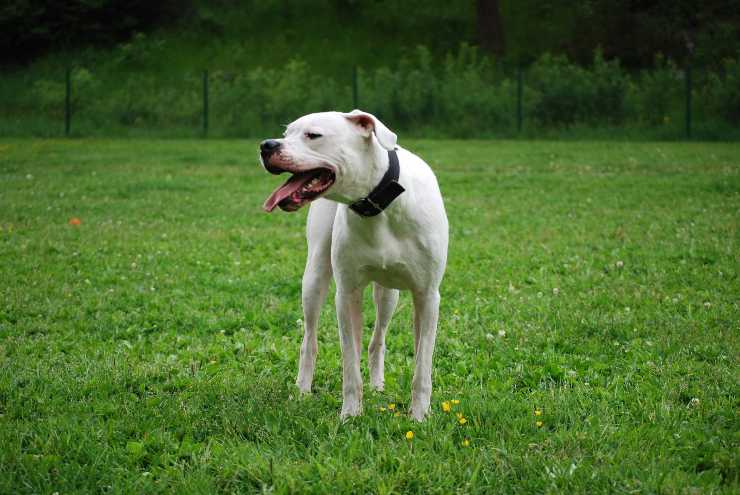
column 377, row 378
column 350, row 410
column 419, row 411
column 378, row 386
column 304, row 386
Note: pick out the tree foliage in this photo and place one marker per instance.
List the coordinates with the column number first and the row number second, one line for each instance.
column 515, row 31
column 634, row 31
column 31, row 27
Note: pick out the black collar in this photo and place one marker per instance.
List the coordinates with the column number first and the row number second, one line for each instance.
column 384, row 193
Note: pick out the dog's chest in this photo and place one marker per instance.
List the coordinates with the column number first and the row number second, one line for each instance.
column 379, row 255
column 386, row 267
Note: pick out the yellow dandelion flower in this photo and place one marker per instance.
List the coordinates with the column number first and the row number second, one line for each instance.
column 446, row 406
column 537, row 412
column 466, row 443
column 455, row 401
column 539, row 424
column 459, row 415
column 391, row 407
column 409, row 435
column 382, row 409
column 462, row 420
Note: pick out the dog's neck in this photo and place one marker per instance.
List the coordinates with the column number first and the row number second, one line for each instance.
column 365, row 176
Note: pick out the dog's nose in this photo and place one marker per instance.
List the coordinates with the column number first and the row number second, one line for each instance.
column 269, row 146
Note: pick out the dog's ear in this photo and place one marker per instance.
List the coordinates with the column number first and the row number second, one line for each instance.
column 368, row 123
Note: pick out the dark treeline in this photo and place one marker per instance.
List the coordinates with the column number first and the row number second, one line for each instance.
column 516, row 31
column 633, row 31
column 29, row 28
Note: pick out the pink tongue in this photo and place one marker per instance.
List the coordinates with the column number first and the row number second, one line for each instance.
column 282, row 192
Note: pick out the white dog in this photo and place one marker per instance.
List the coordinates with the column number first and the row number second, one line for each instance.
column 382, row 221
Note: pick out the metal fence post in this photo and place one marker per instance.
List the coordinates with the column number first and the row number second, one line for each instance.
column 688, row 99
column 519, row 78
column 68, row 101
column 355, row 103
column 205, row 103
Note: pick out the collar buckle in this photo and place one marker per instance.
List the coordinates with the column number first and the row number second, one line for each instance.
column 365, row 207
column 384, row 193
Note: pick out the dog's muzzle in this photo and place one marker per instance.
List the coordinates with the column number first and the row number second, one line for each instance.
column 304, row 184
column 268, row 147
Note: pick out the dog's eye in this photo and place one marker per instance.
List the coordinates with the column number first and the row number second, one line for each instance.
column 312, row 135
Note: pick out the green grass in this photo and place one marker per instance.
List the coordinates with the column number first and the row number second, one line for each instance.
column 153, row 348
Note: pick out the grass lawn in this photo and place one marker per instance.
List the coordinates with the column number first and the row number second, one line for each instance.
column 589, row 326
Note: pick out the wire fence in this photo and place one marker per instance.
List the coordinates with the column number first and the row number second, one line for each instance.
column 527, row 101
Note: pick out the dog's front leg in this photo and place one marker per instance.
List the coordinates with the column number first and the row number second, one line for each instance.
column 349, row 315
column 316, row 279
column 426, row 313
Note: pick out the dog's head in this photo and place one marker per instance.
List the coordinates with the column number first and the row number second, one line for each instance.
column 328, row 154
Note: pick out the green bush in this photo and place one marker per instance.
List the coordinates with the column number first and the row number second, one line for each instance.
column 143, row 101
column 261, row 101
column 565, row 90
column 463, row 98
column 473, row 99
column 463, row 95
column 569, row 94
column 610, row 85
column 50, row 94
column 722, row 92
column 659, row 92
column 379, row 93
column 417, row 91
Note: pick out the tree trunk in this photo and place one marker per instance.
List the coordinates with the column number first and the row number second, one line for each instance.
column 490, row 27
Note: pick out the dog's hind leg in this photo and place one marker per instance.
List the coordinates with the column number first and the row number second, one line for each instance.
column 385, row 304
column 316, row 279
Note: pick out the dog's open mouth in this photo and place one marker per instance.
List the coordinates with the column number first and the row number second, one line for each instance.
column 301, row 188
